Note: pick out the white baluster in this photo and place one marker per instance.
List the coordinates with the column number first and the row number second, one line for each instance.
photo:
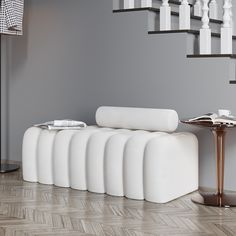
column 227, row 13
column 165, row 18
column 213, row 6
column 226, row 29
column 231, row 15
column 128, row 4
column 146, row 3
column 205, row 31
column 197, row 9
column 184, row 15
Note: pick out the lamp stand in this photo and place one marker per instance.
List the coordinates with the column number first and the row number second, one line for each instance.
column 4, row 168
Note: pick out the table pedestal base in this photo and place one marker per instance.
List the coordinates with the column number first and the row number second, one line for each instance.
column 211, row 198
column 216, row 197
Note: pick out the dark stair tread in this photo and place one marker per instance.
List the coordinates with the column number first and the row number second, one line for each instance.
column 158, row 11
column 212, row 56
column 195, row 32
column 177, row 2
column 232, row 81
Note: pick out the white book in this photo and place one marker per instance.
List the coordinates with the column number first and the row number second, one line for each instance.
column 213, row 118
column 52, row 127
column 62, row 125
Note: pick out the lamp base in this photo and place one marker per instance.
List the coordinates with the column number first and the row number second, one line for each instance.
column 5, row 168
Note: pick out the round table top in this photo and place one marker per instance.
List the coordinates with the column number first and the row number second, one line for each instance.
column 205, row 124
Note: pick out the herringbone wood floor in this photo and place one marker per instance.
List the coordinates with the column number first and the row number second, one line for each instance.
column 34, row 209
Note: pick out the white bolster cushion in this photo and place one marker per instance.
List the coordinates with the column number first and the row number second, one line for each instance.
column 164, row 120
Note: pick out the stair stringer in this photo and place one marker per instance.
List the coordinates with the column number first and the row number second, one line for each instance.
column 187, row 43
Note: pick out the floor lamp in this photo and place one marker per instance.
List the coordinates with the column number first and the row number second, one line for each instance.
column 4, row 167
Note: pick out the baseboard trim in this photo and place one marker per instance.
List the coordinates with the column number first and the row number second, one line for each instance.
column 12, row 162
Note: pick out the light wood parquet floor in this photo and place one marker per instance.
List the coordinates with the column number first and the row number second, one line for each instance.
column 33, row 209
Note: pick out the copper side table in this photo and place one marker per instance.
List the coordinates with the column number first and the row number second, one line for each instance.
column 216, row 197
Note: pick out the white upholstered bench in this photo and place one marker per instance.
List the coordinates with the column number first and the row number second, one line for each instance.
column 132, row 152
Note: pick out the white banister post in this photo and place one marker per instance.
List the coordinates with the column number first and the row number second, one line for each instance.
column 231, row 15
column 197, row 9
column 184, row 15
column 226, row 29
column 128, row 4
column 146, row 3
column 165, row 17
column 205, row 31
column 213, row 7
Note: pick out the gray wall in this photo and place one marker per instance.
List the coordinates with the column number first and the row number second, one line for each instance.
column 43, row 75
column 76, row 55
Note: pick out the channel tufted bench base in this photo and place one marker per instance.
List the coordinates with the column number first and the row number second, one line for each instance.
column 138, row 164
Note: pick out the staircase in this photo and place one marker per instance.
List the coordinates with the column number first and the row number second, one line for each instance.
column 208, row 27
